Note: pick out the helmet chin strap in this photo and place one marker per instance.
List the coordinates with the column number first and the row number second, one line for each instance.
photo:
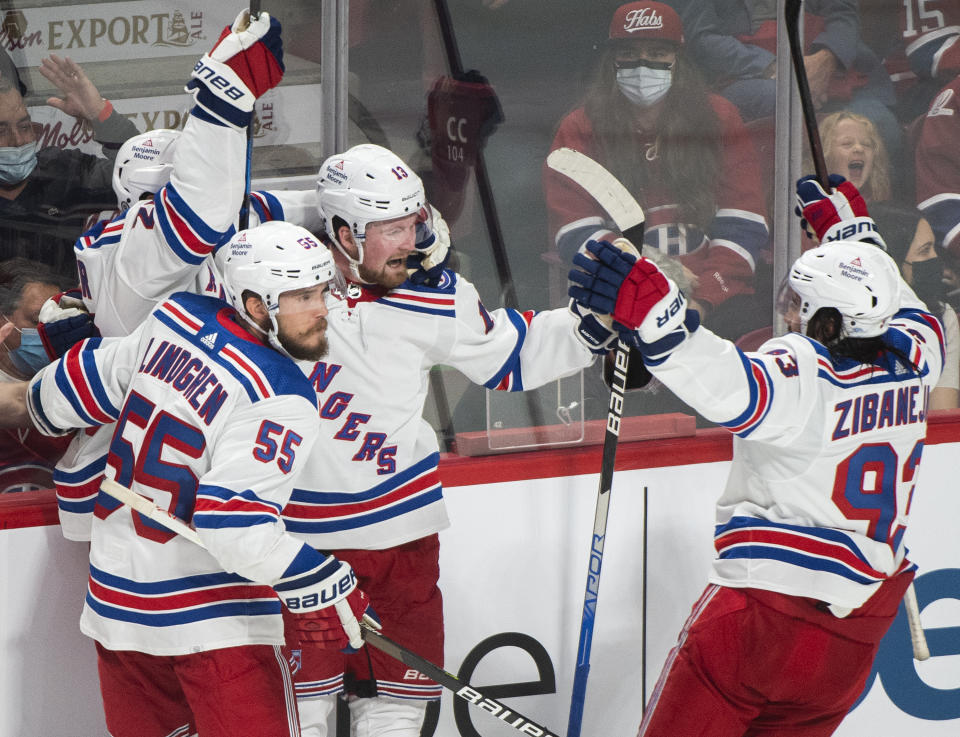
column 272, row 335
column 353, row 262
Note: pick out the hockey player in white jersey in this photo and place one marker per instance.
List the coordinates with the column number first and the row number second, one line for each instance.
column 374, row 484
column 829, row 427
column 372, row 491
column 179, row 195
column 213, row 421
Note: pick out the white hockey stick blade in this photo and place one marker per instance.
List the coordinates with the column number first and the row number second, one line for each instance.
column 148, row 509
column 605, row 188
column 917, row 638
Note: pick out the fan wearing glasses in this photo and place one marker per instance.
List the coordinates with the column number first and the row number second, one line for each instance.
column 682, row 152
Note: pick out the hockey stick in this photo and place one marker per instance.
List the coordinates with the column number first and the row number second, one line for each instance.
column 468, row 693
column 150, row 510
column 244, row 220
column 917, row 637
column 792, row 21
column 629, row 218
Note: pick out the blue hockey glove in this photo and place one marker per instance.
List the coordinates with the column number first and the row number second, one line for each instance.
column 600, row 268
column 426, row 264
column 64, row 321
column 594, row 331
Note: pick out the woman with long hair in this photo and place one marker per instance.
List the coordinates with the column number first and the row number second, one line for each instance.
column 682, row 152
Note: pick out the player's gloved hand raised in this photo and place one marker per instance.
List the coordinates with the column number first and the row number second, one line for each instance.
column 64, row 321
column 840, row 215
column 246, row 61
column 650, row 307
column 327, row 611
column 426, row 264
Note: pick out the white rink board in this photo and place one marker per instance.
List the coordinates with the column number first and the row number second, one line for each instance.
column 515, row 561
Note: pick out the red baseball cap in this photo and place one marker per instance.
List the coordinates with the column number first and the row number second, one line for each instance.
column 647, row 19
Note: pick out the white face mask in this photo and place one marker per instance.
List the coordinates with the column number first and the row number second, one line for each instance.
column 644, row 86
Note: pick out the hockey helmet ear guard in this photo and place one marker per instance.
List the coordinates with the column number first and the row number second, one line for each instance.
column 365, row 184
column 143, row 165
column 858, row 279
column 271, row 259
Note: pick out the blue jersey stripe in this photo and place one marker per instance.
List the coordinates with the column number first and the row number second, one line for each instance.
column 305, row 496
column 422, row 499
column 247, row 608
column 512, row 364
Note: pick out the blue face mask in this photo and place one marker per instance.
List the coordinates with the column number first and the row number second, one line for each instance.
column 31, row 356
column 17, row 162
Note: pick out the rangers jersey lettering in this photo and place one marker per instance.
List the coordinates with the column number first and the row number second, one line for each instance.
column 825, row 458
column 129, row 262
column 372, row 480
column 212, row 425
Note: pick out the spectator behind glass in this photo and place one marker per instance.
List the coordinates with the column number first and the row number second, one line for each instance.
column 734, row 42
column 683, row 153
column 938, row 168
column 47, row 195
column 26, row 457
column 924, row 53
column 910, row 242
column 853, row 148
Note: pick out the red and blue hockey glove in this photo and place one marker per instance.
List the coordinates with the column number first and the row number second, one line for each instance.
column 840, row 215
column 327, row 610
column 246, row 61
column 426, row 264
column 64, row 321
column 649, row 307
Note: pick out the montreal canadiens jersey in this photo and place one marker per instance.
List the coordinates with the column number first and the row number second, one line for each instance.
column 724, row 258
column 372, row 480
column 213, row 426
column 825, row 460
column 938, row 167
column 927, row 47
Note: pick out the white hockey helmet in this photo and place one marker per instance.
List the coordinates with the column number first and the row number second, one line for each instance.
column 366, row 184
column 144, row 164
column 269, row 260
column 859, row 279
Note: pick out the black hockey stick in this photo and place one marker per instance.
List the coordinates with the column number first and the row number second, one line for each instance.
column 792, row 21
column 629, row 218
column 244, row 220
column 468, row 693
column 484, row 189
column 510, row 717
